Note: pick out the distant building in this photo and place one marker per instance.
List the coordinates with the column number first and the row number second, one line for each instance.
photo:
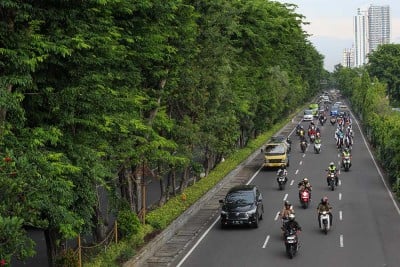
column 360, row 38
column 378, row 26
column 371, row 29
column 348, row 58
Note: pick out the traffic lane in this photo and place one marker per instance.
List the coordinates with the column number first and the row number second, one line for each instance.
column 232, row 246
column 274, row 243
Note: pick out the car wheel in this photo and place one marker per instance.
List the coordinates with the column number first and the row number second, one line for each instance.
column 256, row 222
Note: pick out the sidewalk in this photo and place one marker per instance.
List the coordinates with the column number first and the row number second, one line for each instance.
column 169, row 245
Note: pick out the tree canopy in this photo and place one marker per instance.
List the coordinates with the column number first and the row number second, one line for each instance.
column 92, row 93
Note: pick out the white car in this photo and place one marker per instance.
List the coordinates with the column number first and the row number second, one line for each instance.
column 308, row 115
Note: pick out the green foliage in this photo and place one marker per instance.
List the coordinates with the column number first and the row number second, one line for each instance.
column 90, row 90
column 128, row 223
column 384, row 64
column 13, row 239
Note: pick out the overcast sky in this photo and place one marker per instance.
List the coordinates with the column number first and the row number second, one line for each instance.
column 331, row 24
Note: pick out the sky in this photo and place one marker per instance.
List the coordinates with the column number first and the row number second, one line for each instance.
column 331, row 24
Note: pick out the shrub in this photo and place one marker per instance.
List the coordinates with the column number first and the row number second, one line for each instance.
column 128, row 223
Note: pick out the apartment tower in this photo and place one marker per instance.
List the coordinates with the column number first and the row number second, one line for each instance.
column 378, row 26
column 360, row 38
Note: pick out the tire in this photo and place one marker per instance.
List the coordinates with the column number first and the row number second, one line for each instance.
column 255, row 225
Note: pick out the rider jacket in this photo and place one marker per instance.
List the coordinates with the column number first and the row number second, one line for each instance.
column 324, row 207
column 293, row 225
column 286, row 212
column 332, row 169
column 302, row 185
column 346, row 154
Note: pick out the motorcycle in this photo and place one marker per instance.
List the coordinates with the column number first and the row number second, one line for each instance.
column 291, row 243
column 303, row 146
column 325, row 221
column 346, row 163
column 298, row 128
column 312, row 138
column 322, row 120
column 304, row 198
column 281, row 179
column 331, row 180
column 317, row 148
column 333, row 120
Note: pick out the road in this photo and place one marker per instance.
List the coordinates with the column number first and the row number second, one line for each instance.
column 366, row 219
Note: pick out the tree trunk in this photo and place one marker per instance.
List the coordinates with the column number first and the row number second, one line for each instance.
column 51, row 237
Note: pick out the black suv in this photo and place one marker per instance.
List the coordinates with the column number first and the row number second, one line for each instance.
column 242, row 205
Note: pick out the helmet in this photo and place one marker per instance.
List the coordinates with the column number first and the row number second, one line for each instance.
column 291, row 217
column 283, row 166
column 346, row 149
column 301, row 127
column 305, row 179
column 288, row 139
column 332, row 163
column 287, row 203
column 324, row 200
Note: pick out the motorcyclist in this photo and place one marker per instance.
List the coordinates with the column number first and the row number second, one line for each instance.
column 282, row 172
column 332, row 169
column 292, row 224
column 301, row 132
column 346, row 153
column 317, row 140
column 286, row 211
column 324, row 206
column 304, row 185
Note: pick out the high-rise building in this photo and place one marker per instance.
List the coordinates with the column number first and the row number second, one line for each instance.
column 378, row 26
column 348, row 58
column 360, row 38
column 371, row 29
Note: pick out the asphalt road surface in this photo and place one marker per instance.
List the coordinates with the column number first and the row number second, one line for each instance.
column 366, row 218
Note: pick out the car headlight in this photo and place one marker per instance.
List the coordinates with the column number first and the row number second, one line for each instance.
column 252, row 211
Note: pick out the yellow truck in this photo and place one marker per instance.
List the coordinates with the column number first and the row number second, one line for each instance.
column 276, row 155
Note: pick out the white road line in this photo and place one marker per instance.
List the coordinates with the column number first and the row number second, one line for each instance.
column 377, row 168
column 340, row 196
column 301, row 162
column 209, row 228
column 286, row 195
column 296, row 172
column 338, row 155
column 304, row 155
column 197, row 243
column 277, row 216
column 340, row 215
column 266, row 241
column 291, row 183
column 340, row 182
column 341, row 241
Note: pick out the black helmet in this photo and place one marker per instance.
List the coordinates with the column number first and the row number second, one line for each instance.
column 283, row 166
column 287, row 203
column 346, row 149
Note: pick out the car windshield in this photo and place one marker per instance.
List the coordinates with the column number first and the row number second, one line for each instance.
column 308, row 112
column 240, row 197
column 275, row 150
